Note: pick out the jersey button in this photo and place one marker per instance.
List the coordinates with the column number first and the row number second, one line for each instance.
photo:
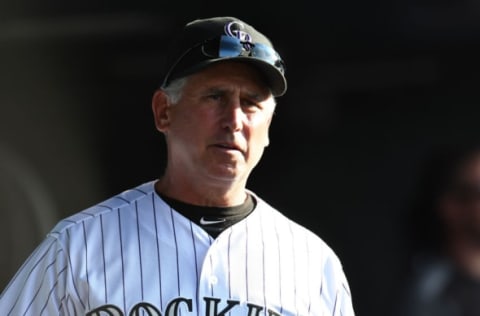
column 213, row 280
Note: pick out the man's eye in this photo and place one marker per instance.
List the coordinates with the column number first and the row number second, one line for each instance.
column 251, row 106
column 215, row 96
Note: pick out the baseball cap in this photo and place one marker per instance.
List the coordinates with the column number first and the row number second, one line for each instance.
column 203, row 42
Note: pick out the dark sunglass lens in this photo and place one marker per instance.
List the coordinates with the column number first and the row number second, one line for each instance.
column 229, row 47
column 267, row 54
column 264, row 52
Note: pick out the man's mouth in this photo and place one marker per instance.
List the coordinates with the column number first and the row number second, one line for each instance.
column 228, row 146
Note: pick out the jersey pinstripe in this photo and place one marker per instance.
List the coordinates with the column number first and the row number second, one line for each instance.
column 134, row 255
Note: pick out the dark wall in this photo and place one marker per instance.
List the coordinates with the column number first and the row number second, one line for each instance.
column 373, row 90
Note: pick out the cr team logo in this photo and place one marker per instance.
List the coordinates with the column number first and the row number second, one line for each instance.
column 236, row 29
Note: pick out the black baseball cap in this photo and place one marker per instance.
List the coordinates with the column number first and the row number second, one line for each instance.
column 203, row 42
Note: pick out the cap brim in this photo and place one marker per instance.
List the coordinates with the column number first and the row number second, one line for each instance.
column 273, row 76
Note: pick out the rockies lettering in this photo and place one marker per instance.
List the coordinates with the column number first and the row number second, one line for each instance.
column 173, row 308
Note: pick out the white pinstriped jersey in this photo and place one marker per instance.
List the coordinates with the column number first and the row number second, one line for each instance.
column 134, row 255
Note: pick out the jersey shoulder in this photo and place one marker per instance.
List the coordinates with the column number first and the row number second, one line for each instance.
column 117, row 202
column 278, row 220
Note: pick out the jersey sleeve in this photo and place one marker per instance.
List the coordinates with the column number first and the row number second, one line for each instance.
column 345, row 303
column 38, row 287
column 335, row 291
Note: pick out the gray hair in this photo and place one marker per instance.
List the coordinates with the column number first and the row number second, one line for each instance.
column 174, row 89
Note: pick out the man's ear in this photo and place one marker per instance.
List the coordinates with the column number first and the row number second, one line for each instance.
column 160, row 108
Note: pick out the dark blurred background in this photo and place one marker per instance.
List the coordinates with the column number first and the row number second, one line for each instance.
column 374, row 89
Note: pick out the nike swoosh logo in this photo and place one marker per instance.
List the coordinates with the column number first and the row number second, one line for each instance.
column 204, row 221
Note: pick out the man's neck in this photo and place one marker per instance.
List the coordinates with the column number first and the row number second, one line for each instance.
column 201, row 194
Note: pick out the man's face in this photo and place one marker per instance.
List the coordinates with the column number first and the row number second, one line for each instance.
column 219, row 128
column 461, row 209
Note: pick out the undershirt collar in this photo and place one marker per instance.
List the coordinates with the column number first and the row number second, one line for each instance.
column 213, row 220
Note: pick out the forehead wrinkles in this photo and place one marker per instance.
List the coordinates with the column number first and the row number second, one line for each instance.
column 232, row 74
column 256, row 94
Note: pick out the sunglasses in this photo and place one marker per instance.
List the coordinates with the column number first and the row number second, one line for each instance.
column 230, row 47
column 466, row 192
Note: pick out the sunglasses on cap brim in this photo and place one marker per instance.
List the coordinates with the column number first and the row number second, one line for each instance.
column 231, row 47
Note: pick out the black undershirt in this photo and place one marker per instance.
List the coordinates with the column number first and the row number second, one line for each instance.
column 213, row 220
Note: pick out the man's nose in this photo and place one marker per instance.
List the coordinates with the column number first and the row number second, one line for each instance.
column 233, row 116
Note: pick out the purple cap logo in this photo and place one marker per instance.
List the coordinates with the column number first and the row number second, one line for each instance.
column 235, row 29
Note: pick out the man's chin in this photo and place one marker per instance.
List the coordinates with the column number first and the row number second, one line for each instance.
column 228, row 173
